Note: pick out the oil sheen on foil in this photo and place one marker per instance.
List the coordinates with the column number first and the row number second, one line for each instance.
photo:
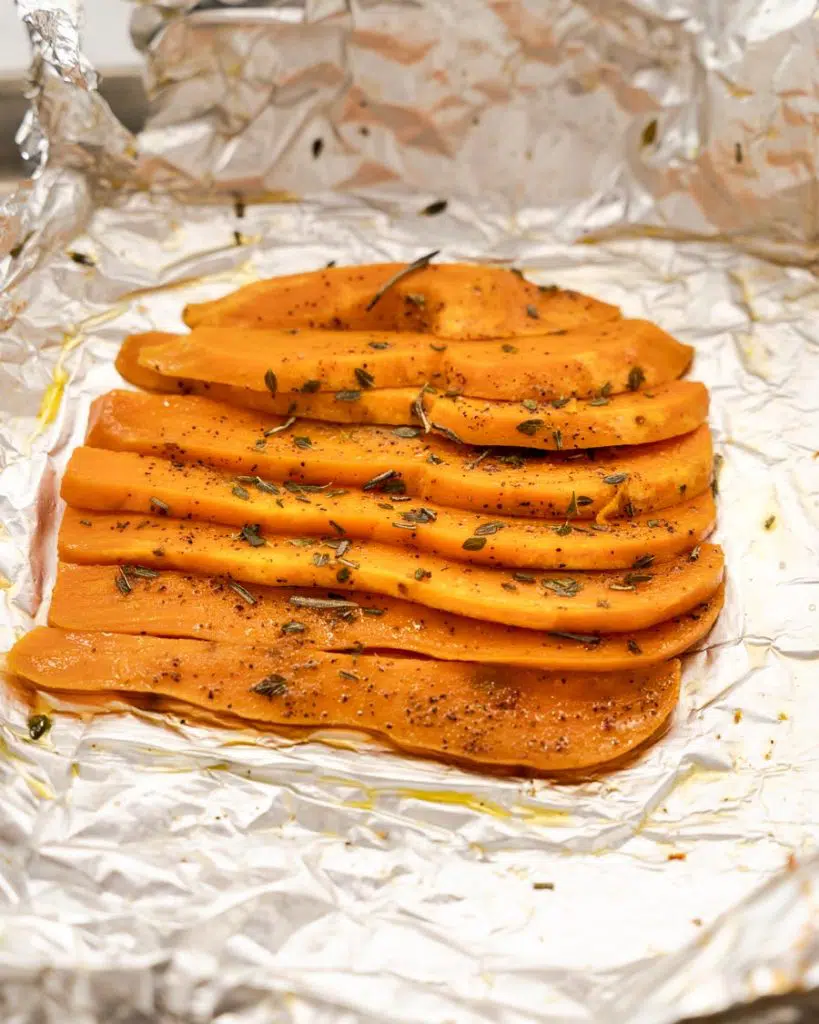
column 152, row 870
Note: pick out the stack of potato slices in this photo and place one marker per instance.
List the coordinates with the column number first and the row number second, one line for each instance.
column 433, row 502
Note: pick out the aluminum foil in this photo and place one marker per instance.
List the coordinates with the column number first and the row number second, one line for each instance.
column 155, row 871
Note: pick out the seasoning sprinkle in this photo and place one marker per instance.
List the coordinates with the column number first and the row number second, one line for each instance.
column 288, row 423
column 380, row 478
column 436, row 460
column 239, row 492
column 508, row 348
column 423, row 574
column 420, row 264
column 343, row 574
column 302, row 442
column 694, row 554
column 271, row 382
column 632, row 578
column 38, row 726
column 85, row 522
column 416, row 299
column 634, row 647
column 474, row 543
column 271, row 686
column 523, row 577
column 242, row 592
column 563, row 588
column 143, row 571
column 159, row 506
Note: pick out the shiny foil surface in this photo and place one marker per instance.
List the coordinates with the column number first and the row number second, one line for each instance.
column 152, row 870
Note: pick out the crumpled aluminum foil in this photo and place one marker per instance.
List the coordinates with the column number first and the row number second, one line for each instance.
column 155, row 871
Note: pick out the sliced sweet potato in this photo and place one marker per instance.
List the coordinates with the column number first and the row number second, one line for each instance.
column 638, row 417
column 172, row 604
column 493, row 716
column 593, row 360
column 191, row 429
column 626, row 418
column 109, row 481
column 603, row 601
column 451, row 300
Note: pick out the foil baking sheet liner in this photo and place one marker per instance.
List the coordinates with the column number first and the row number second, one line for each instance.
column 156, row 870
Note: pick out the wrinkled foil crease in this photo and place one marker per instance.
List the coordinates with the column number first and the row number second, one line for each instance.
column 162, row 871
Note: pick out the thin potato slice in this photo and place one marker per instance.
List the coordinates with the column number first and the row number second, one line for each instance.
column 611, row 601
column 215, row 608
column 593, row 360
column 492, row 716
column 109, row 481
column 454, row 300
column 191, row 429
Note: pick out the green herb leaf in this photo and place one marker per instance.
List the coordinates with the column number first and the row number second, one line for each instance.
column 615, row 478
column 529, row 427
column 365, row 379
column 343, row 574
column 239, row 492
column 271, row 686
column 485, row 529
column 122, row 582
column 558, row 403
column 271, row 382
column 643, row 562
column 563, row 588
column 242, row 592
column 38, row 726
column 347, row 396
column 422, row 574
column 529, row 404
column 410, row 268
column 473, row 543
column 293, row 627
column 250, row 533
column 302, row 442
column 636, row 377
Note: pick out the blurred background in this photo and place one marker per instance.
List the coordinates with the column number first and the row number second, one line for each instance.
column 107, row 45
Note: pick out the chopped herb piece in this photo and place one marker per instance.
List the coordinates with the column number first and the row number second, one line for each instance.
column 649, row 133
column 583, row 500
column 473, row 543
column 347, row 396
column 403, row 526
column 293, row 627
column 386, row 506
column 365, row 379
column 408, row 433
column 416, row 299
column 558, row 439
column 85, row 522
column 242, row 592
column 122, row 582
column 302, row 442
column 376, row 482
column 621, row 586
column 373, row 611
column 563, row 588
column 600, row 400
column 531, row 311
column 603, row 603
column 694, row 554
column 410, row 268
column 450, row 435
column 589, row 639
column 239, row 492
column 394, row 487
column 629, row 509
column 82, row 258
column 434, row 460
column 159, row 506
column 652, row 523
column 605, row 391
column 343, row 547
column 523, row 577
column 38, row 726
column 422, row 574
column 271, row 382
column 322, row 603
column 434, row 208
column 571, row 508
column 510, row 587
column 558, row 403
column 634, row 647
column 632, row 578
column 543, row 885
column 271, row 686
column 317, row 147
column 529, row 404
column 379, row 345
column 343, row 574
column 515, row 461
column 250, row 534
column 437, row 348
column 615, row 478
column 320, row 559
column 643, row 562
column 348, row 675
column 143, row 571
column 159, row 552
column 310, row 387
column 260, row 445
column 485, row 529
column 636, row 377
column 277, row 430
column 529, row 427
column 336, row 527
column 479, row 459
column 509, row 348
column 564, row 529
